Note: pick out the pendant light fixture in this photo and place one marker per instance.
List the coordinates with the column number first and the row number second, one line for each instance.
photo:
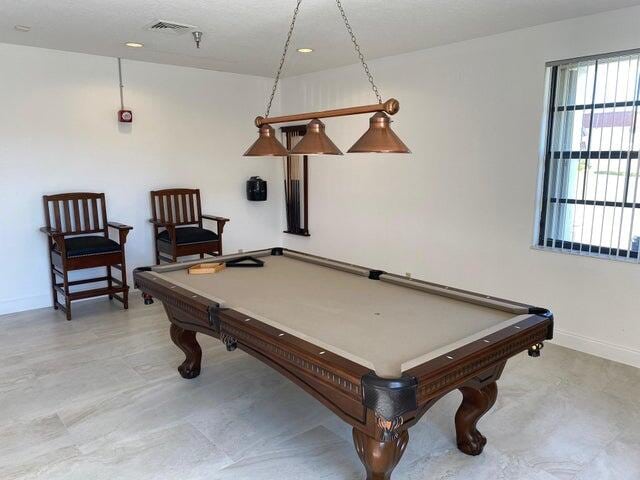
column 267, row 145
column 379, row 138
column 315, row 141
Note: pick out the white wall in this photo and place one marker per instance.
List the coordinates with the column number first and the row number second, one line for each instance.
column 58, row 133
column 460, row 209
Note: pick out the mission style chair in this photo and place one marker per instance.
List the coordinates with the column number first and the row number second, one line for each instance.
column 177, row 225
column 78, row 238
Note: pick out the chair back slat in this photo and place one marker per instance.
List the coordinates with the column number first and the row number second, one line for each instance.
column 185, row 212
column 169, row 208
column 85, row 213
column 47, row 213
column 67, row 217
column 103, row 217
column 94, row 210
column 176, row 209
column 56, row 214
column 192, row 209
column 76, row 213
column 154, row 210
column 199, row 206
column 172, row 206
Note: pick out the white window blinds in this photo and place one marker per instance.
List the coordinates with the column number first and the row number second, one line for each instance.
column 590, row 191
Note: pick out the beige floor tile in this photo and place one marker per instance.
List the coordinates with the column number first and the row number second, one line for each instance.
column 99, row 397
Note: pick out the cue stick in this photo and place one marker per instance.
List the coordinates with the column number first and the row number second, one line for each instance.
column 289, row 214
column 287, row 183
column 284, row 164
column 297, row 193
column 292, row 174
column 296, row 219
column 305, row 185
column 294, row 162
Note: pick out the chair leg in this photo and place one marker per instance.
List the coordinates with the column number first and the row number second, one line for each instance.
column 109, row 282
column 155, row 240
column 67, row 301
column 53, row 289
column 125, row 286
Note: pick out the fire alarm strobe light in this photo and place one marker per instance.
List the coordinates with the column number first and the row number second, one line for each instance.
column 125, row 116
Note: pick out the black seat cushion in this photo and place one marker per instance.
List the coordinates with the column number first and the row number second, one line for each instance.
column 190, row 235
column 90, row 245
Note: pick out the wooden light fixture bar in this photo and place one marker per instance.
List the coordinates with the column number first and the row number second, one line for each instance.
column 390, row 107
column 379, row 138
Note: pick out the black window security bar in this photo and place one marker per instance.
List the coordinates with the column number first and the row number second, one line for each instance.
column 630, row 103
column 591, row 190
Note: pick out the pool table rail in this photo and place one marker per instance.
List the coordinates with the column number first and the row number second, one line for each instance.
column 380, row 410
column 189, row 308
column 332, row 379
column 445, row 372
column 335, row 381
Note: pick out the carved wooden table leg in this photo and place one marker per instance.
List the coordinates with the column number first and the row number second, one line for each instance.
column 475, row 403
column 186, row 341
column 379, row 458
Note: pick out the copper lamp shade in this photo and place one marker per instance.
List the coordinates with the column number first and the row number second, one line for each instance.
column 267, row 145
column 379, row 138
column 315, row 141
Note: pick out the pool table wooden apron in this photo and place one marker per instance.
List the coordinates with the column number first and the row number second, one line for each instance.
column 377, row 349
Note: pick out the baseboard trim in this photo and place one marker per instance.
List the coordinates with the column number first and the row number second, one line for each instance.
column 21, row 304
column 33, row 302
column 610, row 351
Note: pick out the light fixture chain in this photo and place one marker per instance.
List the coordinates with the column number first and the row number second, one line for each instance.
column 284, row 55
column 358, row 51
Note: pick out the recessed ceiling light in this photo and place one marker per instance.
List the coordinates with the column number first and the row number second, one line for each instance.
column 305, row 50
column 134, row 44
column 22, row 28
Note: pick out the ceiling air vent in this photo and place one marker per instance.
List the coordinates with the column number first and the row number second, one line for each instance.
column 170, row 27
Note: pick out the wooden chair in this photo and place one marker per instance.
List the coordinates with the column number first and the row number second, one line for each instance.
column 78, row 238
column 177, row 224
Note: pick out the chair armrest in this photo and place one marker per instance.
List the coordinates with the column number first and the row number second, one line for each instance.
column 123, row 230
column 214, row 218
column 219, row 220
column 170, row 227
column 57, row 237
column 52, row 232
column 120, row 226
column 159, row 223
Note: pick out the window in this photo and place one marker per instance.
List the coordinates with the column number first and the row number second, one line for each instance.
column 590, row 194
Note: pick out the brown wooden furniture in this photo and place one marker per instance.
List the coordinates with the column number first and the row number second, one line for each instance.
column 384, row 352
column 177, row 225
column 296, row 183
column 78, row 238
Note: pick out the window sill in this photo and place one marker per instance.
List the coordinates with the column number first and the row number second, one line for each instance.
column 576, row 253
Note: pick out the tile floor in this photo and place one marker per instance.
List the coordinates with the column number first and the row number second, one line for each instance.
column 99, row 398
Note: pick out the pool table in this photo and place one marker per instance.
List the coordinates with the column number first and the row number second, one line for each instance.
column 377, row 349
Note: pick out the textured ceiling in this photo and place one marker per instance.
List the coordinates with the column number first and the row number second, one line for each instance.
column 246, row 36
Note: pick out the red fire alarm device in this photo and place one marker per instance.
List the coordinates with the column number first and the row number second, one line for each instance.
column 125, row 116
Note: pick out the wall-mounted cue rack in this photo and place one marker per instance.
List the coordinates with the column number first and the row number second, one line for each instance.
column 296, row 183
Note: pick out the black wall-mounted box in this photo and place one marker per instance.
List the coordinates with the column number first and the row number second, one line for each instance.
column 256, row 189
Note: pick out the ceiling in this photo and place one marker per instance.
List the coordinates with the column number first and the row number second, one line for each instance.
column 246, row 36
